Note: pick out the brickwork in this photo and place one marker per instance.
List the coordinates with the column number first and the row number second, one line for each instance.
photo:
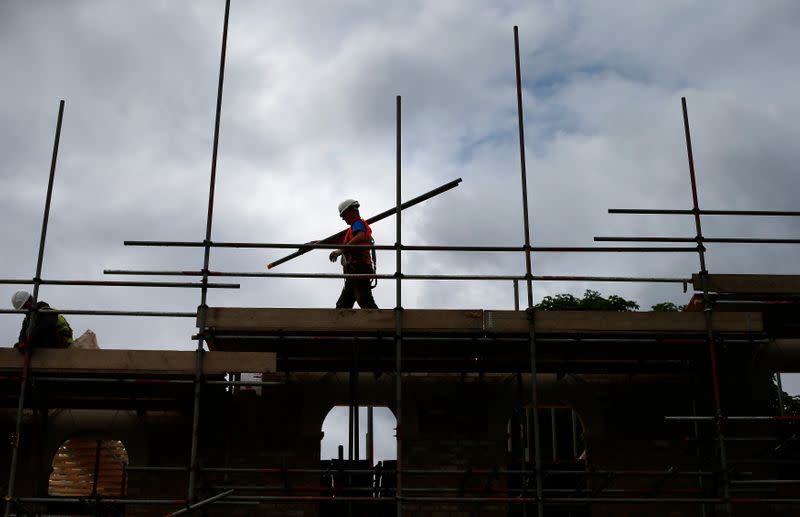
column 450, row 422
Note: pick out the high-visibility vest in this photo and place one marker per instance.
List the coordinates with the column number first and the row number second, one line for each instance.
column 56, row 333
column 358, row 256
column 63, row 330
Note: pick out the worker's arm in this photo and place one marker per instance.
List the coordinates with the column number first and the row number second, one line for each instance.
column 357, row 238
column 24, row 331
column 22, row 342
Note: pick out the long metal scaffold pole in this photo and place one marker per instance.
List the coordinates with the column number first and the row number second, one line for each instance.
column 537, row 452
column 390, row 247
column 336, row 238
column 398, row 330
column 758, row 213
column 513, row 278
column 707, row 311
column 12, row 475
column 190, row 494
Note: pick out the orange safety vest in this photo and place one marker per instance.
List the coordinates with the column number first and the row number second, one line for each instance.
column 358, row 257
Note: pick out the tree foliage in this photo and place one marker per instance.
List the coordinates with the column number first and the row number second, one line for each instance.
column 594, row 301
column 791, row 403
column 667, row 307
column 591, row 301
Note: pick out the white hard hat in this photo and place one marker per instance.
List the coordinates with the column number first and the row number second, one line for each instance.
column 347, row 203
column 19, row 298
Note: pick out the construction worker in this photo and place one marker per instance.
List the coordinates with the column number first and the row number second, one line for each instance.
column 51, row 329
column 355, row 261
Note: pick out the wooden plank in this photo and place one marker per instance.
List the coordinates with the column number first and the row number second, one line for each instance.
column 311, row 320
column 138, row 361
column 423, row 320
column 333, row 320
column 750, row 284
column 567, row 322
column 262, row 320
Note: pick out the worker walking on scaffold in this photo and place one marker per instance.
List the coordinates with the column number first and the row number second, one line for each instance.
column 355, row 262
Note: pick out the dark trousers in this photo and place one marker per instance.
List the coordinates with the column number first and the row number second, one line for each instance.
column 356, row 289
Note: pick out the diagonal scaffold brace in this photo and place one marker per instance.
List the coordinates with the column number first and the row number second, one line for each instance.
column 204, row 502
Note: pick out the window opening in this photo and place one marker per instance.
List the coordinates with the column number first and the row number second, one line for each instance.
column 86, row 467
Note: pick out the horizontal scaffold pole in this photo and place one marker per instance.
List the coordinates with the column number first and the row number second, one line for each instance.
column 716, row 240
column 655, row 211
column 405, row 247
column 90, row 312
column 115, row 283
column 538, row 278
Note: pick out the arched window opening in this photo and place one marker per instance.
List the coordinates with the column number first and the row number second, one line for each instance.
column 85, row 467
column 358, row 438
column 358, row 452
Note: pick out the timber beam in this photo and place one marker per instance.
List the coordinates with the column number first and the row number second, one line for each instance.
column 750, row 284
column 476, row 322
column 136, row 362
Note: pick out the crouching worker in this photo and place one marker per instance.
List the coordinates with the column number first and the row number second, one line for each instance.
column 51, row 329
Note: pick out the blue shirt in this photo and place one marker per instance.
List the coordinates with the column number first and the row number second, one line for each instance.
column 358, row 226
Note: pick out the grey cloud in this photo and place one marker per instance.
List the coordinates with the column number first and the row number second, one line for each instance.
column 308, row 118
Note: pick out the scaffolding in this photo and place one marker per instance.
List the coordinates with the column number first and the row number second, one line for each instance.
column 531, row 492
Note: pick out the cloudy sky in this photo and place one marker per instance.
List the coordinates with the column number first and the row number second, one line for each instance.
column 308, row 119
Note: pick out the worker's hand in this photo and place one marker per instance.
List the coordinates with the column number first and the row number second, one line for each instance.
column 334, row 255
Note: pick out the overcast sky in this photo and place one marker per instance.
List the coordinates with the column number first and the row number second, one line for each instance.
column 308, row 119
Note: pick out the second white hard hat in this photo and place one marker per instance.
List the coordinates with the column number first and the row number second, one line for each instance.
column 347, row 203
column 19, row 298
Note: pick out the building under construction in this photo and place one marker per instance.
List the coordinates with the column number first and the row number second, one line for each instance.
column 498, row 412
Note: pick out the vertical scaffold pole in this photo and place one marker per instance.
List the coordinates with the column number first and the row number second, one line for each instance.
column 201, row 320
column 521, row 433
column 350, row 416
column 98, row 450
column 12, row 475
column 707, row 311
column 574, row 435
column 537, row 451
column 398, row 328
column 781, row 406
column 696, row 436
column 553, row 434
column 356, row 405
column 370, row 437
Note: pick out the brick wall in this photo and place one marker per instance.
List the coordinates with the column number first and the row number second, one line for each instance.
column 449, row 422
